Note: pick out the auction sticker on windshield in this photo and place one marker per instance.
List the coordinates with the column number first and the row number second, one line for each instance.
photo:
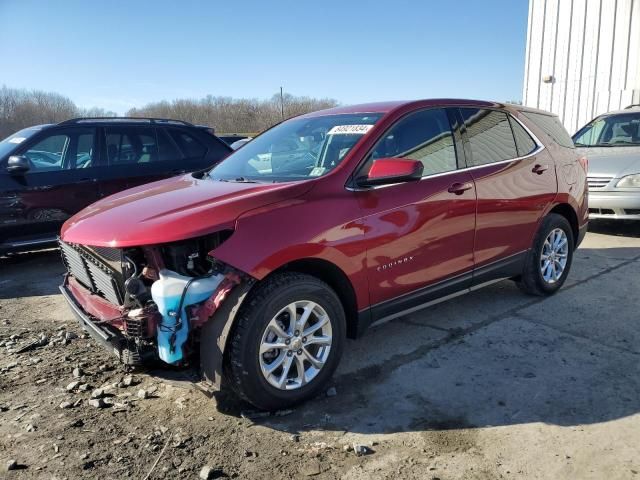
column 350, row 129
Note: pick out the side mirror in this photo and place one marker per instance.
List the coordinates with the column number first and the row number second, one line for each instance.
column 18, row 164
column 385, row 171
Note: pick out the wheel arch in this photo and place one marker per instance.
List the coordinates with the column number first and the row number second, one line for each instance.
column 219, row 328
column 333, row 276
column 569, row 213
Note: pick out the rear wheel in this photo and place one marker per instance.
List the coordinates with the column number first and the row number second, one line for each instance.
column 287, row 342
column 549, row 260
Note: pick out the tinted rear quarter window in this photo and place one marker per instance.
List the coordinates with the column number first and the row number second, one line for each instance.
column 550, row 124
column 490, row 136
column 191, row 147
column 168, row 151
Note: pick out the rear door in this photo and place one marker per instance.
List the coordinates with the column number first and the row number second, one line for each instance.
column 134, row 157
column 419, row 234
column 515, row 180
column 59, row 183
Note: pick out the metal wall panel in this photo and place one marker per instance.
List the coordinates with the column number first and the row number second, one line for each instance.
column 590, row 50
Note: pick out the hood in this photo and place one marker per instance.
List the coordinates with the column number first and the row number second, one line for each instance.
column 612, row 161
column 171, row 210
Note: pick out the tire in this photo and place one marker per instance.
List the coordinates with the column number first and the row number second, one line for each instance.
column 271, row 302
column 533, row 281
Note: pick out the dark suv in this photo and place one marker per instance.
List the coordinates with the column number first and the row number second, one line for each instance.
column 329, row 222
column 50, row 172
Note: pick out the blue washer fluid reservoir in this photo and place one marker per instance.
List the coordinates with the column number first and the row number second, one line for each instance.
column 166, row 293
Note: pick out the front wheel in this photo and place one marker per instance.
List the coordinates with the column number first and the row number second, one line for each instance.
column 549, row 260
column 287, row 342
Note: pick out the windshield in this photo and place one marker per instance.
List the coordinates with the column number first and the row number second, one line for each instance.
column 610, row 131
column 298, row 149
column 9, row 144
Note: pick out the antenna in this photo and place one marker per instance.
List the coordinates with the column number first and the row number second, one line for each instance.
column 281, row 103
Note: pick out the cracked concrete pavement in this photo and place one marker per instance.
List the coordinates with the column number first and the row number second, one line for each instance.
column 494, row 384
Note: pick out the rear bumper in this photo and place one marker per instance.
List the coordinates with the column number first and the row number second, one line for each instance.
column 614, row 205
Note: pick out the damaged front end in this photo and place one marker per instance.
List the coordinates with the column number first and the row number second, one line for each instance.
column 148, row 303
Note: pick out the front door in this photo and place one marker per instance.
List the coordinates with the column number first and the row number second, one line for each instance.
column 419, row 234
column 59, row 183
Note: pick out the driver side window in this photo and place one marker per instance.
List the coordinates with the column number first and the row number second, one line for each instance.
column 62, row 150
column 425, row 136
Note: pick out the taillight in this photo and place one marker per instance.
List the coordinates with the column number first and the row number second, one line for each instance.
column 584, row 161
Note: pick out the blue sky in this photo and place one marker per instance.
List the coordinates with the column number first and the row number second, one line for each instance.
column 119, row 54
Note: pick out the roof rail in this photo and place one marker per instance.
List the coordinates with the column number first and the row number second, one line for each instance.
column 124, row 119
column 633, row 105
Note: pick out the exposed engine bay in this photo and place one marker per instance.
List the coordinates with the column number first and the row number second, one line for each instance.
column 150, row 300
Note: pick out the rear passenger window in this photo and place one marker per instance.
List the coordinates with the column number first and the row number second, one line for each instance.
column 490, row 136
column 188, row 144
column 424, row 136
column 131, row 145
column 524, row 143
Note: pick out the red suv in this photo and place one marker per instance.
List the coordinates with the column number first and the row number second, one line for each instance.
column 258, row 270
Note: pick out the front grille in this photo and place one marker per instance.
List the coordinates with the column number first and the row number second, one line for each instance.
column 101, row 276
column 104, row 283
column 76, row 265
column 111, row 256
column 598, row 182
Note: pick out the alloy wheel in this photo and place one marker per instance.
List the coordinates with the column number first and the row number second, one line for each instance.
column 554, row 255
column 295, row 345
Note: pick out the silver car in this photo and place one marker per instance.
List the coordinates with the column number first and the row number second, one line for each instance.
column 611, row 143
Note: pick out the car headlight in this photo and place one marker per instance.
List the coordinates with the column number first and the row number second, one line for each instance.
column 630, row 181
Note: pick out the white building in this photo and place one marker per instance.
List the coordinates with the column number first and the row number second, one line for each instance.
column 583, row 57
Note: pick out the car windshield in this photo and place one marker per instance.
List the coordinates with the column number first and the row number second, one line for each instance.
column 9, row 144
column 298, row 149
column 610, row 131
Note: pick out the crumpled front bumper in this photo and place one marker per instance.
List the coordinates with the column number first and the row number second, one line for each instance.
column 109, row 337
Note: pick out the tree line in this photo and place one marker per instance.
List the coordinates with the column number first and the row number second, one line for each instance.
column 21, row 108
column 234, row 115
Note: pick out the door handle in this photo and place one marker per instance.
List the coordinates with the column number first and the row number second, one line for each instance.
column 540, row 169
column 460, row 188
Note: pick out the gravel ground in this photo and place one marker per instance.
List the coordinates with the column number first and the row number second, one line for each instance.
column 492, row 385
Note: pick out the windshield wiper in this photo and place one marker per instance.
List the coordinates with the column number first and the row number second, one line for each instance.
column 243, row 180
column 236, row 180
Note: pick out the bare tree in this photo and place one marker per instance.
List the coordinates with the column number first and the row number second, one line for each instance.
column 21, row 108
column 229, row 115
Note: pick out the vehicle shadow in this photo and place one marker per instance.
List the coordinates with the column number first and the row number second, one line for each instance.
column 624, row 228
column 30, row 274
column 494, row 357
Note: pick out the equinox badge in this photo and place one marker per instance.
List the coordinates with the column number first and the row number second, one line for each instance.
column 395, row 263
